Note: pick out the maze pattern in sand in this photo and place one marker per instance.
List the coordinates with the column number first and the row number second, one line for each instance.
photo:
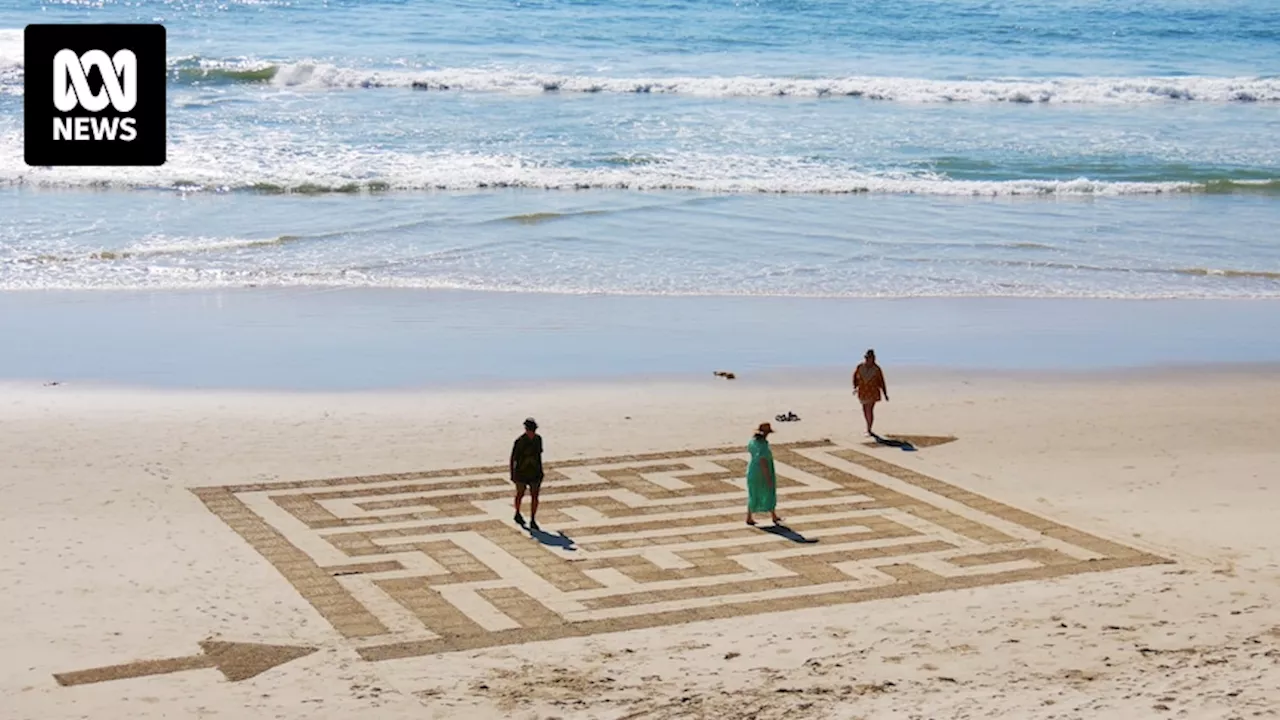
column 422, row 563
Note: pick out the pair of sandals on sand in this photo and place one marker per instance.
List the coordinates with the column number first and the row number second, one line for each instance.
column 787, row 417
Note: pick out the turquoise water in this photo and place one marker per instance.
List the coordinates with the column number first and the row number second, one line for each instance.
column 1082, row 148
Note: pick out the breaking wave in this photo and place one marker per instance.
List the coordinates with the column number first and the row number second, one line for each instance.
column 451, row 178
column 11, row 59
column 900, row 89
column 195, row 71
column 160, row 247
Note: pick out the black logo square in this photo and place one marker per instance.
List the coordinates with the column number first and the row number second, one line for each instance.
column 94, row 95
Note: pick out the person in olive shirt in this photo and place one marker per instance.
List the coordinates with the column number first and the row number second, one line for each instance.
column 526, row 470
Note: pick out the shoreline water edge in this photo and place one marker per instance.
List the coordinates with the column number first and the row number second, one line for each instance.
column 374, row 339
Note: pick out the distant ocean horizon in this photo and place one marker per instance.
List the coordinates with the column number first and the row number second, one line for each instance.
column 995, row 148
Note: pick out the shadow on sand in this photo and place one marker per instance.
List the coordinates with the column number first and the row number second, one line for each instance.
column 892, row 442
column 558, row 539
column 911, row 443
column 785, row 532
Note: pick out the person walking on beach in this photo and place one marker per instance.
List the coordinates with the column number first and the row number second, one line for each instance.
column 762, row 482
column 526, row 470
column 868, row 385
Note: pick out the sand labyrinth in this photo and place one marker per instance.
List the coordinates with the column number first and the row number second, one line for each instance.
column 422, row 563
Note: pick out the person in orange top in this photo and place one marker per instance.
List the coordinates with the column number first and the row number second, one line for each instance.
column 868, row 385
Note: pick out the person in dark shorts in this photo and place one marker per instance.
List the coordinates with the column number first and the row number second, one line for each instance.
column 526, row 470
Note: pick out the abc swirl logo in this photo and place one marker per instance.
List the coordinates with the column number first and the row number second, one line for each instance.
column 95, row 95
column 71, row 90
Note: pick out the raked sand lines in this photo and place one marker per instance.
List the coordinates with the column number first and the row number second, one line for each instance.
column 421, row 563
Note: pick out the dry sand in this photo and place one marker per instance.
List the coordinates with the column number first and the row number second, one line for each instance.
column 111, row 559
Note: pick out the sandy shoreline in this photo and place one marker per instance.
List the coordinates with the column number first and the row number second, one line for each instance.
column 369, row 339
column 816, row 378
column 113, row 559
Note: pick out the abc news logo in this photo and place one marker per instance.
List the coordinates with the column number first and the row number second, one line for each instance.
column 71, row 90
column 94, row 95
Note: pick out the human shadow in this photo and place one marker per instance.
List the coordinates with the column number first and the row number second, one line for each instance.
column 892, row 442
column 557, row 539
column 911, row 443
column 785, row 532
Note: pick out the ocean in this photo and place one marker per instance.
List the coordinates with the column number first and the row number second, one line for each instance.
column 816, row 149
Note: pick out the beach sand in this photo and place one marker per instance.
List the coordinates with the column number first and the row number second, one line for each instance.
column 345, row 339
column 111, row 558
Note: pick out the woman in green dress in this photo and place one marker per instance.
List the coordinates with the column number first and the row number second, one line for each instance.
column 762, row 485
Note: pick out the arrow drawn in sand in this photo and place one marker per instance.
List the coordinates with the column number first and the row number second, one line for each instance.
column 236, row 660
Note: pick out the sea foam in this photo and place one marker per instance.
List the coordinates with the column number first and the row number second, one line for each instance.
column 195, row 71
column 1083, row 90
column 274, row 170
